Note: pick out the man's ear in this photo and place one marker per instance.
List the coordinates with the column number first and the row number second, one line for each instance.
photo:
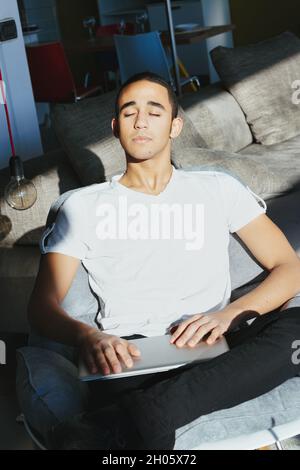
column 176, row 127
column 115, row 127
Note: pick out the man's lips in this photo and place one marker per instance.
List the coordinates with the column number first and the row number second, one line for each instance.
column 141, row 139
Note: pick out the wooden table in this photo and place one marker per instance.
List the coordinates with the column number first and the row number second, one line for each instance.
column 196, row 35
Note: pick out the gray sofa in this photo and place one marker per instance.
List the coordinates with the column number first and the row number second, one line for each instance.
column 41, row 398
column 218, row 134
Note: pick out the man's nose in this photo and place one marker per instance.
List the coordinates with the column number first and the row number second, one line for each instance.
column 141, row 121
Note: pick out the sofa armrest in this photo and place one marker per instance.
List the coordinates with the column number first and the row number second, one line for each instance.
column 52, row 175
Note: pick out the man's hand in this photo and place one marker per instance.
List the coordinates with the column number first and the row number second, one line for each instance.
column 192, row 330
column 100, row 350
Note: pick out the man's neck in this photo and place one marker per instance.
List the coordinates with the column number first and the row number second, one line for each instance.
column 150, row 178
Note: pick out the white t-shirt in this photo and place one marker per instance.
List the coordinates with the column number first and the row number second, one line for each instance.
column 153, row 260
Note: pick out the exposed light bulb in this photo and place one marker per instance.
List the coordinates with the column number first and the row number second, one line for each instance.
column 20, row 193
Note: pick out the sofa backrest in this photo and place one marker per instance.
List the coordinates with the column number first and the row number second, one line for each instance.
column 262, row 78
column 218, row 118
column 84, row 131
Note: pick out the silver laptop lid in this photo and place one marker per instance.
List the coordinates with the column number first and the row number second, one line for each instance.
column 158, row 355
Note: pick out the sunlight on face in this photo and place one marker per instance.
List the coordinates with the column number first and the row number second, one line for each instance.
column 145, row 120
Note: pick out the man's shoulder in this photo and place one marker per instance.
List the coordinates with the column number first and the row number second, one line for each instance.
column 82, row 197
column 215, row 176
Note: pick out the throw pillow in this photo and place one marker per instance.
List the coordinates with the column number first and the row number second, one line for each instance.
column 254, row 174
column 260, row 77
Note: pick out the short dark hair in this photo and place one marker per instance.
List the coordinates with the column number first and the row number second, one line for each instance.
column 150, row 77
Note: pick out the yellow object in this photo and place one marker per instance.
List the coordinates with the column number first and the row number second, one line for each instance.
column 184, row 73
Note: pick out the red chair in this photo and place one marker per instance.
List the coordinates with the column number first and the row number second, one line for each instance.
column 51, row 77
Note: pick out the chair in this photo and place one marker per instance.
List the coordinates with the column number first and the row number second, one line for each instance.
column 143, row 52
column 51, row 77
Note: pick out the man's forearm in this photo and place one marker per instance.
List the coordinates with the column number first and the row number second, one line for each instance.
column 52, row 321
column 282, row 284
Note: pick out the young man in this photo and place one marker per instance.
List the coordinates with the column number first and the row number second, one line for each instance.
column 154, row 273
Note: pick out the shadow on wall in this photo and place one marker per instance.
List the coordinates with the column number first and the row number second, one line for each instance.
column 257, row 20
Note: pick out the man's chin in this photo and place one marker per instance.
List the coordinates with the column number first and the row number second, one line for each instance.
column 138, row 158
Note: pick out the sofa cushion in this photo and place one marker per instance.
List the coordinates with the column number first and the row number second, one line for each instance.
column 51, row 175
column 270, row 171
column 255, row 174
column 282, row 161
column 260, row 77
column 280, row 405
column 84, row 131
column 218, row 118
column 284, row 212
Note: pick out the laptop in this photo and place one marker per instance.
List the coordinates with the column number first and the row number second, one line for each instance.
column 158, row 355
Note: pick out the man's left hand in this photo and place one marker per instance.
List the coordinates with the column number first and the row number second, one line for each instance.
column 191, row 331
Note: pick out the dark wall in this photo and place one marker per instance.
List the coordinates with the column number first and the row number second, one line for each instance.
column 70, row 15
column 256, row 20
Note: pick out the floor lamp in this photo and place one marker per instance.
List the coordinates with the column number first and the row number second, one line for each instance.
column 173, row 46
column 20, row 193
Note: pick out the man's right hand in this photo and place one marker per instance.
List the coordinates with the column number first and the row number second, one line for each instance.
column 102, row 351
